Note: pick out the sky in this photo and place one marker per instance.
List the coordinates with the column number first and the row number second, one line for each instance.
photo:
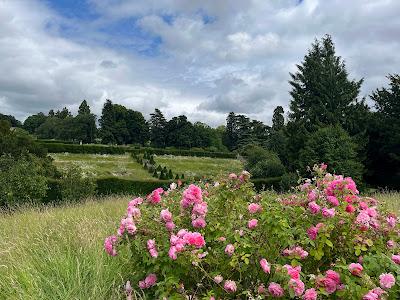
column 201, row 58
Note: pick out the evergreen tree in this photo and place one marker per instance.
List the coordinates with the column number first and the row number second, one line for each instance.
column 278, row 120
column 383, row 160
column 157, row 126
column 107, row 121
column 321, row 95
column 84, row 108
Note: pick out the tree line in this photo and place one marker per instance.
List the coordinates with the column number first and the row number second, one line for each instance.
column 327, row 122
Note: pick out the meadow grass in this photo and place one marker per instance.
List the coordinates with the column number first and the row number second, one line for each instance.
column 57, row 252
column 199, row 166
column 104, row 165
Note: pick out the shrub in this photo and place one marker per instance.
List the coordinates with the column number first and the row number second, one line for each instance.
column 21, row 180
column 227, row 242
column 288, row 181
column 335, row 147
column 75, row 185
column 262, row 163
column 114, row 185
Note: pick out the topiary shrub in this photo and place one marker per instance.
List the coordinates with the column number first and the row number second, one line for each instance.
column 225, row 241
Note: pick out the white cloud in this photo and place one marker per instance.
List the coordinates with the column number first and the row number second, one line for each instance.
column 212, row 58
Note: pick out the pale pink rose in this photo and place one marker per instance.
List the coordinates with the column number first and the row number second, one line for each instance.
column 261, row 289
column 199, row 223
column 109, row 245
column 254, row 208
column 310, row 294
column 391, row 221
column 275, row 290
column 312, row 232
column 172, row 253
column 233, row 176
column 133, row 211
column 218, row 279
column 386, row 280
column 200, row 209
column 150, row 280
column 252, row 223
column 135, row 202
column 355, row 269
column 230, row 286
column 222, row 239
column 391, row 244
column 265, row 265
column 370, row 296
column 170, row 226
column 312, row 195
column 166, row 215
column 229, row 249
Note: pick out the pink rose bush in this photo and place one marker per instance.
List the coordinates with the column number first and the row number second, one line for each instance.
column 226, row 241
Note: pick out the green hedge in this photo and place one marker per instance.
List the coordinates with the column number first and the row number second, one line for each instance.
column 74, row 148
column 267, row 183
column 54, row 147
column 114, row 185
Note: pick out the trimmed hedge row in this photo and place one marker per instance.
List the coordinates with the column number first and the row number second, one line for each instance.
column 114, row 185
column 54, row 147
column 75, row 148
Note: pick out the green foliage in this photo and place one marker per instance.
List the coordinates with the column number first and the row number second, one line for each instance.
column 74, row 148
column 262, row 163
column 113, row 185
column 383, row 160
column 75, row 185
column 11, row 120
column 333, row 146
column 21, row 180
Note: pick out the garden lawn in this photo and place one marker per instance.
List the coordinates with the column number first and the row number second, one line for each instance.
column 199, row 166
column 106, row 165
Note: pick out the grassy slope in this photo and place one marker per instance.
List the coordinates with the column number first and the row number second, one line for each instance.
column 57, row 253
column 199, row 166
column 104, row 165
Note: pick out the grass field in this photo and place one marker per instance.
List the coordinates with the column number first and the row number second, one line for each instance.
column 105, row 165
column 57, row 253
column 199, row 166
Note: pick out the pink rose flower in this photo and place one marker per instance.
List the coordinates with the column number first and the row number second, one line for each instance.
column 350, row 208
column 148, row 282
column 218, row 279
column 396, row 259
column 252, row 223
column 261, row 289
column 275, row 290
column 386, row 280
column 391, row 221
column 312, row 195
column 229, row 249
column 391, row 244
column 170, row 226
column 355, row 269
column 230, row 286
column 297, row 286
column 232, row 176
column 293, row 272
column 333, row 200
column 195, row 239
column 265, row 265
column 314, row 207
column 310, row 294
column 109, row 245
column 328, row 212
column 254, row 208
column 166, row 215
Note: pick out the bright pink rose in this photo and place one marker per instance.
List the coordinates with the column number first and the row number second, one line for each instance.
column 293, row 272
column 109, row 245
column 386, row 280
column 172, row 253
column 297, row 286
column 148, row 282
column 195, row 239
column 275, row 290
column 355, row 269
column 333, row 200
column 312, row 232
column 230, row 286
column 135, row 202
column 252, row 223
column 254, row 208
column 333, row 275
column 166, row 215
column 265, row 265
column 310, row 294
column 314, row 207
column 328, row 212
column 229, row 249
column 350, row 208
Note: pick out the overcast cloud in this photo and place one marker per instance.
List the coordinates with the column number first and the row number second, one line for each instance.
column 199, row 58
